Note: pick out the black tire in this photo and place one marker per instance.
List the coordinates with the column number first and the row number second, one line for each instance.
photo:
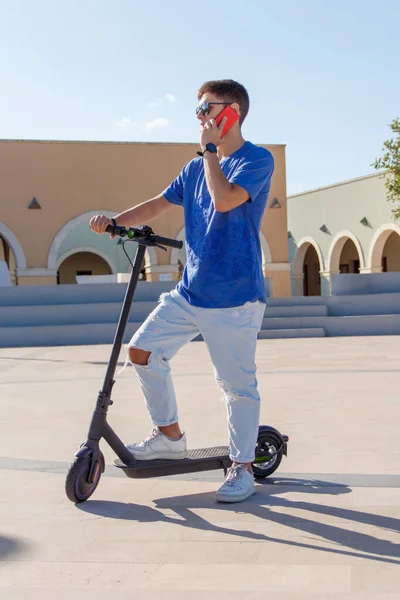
column 270, row 448
column 77, row 487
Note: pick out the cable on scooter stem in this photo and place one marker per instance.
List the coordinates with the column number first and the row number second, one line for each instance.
column 144, row 236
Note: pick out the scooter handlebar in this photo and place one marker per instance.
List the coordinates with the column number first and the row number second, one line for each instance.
column 168, row 242
column 144, row 236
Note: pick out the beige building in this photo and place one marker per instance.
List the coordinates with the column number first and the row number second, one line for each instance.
column 345, row 228
column 50, row 190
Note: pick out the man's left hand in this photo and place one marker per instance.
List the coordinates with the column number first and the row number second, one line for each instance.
column 211, row 133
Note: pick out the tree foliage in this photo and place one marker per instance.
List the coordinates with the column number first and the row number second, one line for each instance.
column 390, row 162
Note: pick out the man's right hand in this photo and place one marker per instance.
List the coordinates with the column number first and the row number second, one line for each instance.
column 99, row 224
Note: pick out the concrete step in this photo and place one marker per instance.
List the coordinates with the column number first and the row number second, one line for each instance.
column 108, row 312
column 72, row 314
column 103, row 333
column 340, row 326
column 362, row 304
column 283, row 333
column 81, row 294
column 291, row 333
column 62, row 335
column 318, row 310
column 299, row 301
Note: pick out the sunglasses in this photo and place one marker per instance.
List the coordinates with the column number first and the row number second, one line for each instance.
column 204, row 108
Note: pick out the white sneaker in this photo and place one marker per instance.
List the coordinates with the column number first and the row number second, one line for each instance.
column 239, row 485
column 157, row 445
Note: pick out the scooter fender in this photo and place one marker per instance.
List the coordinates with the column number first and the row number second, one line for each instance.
column 83, row 452
column 283, row 438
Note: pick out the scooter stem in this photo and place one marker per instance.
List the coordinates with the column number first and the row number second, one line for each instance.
column 123, row 320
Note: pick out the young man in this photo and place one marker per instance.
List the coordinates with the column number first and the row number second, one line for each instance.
column 222, row 292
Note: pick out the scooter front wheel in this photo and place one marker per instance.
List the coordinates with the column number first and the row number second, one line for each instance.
column 77, row 485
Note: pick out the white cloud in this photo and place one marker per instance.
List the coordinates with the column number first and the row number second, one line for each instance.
column 170, row 98
column 160, row 122
column 125, row 122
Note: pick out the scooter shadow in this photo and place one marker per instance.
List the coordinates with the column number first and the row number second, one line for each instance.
column 11, row 546
column 262, row 505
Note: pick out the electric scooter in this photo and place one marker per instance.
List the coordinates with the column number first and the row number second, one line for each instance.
column 84, row 474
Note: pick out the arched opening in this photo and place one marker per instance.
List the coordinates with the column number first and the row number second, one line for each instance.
column 311, row 273
column 391, row 253
column 7, row 256
column 81, row 263
column 308, row 263
column 349, row 259
column 345, row 254
column 383, row 257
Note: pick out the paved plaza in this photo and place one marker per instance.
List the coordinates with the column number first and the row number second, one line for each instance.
column 325, row 525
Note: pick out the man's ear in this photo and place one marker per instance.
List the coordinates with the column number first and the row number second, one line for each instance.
column 235, row 106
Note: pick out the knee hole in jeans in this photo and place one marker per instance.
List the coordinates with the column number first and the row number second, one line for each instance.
column 139, row 356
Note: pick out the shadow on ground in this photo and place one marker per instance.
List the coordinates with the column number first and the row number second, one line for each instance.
column 335, row 538
column 10, row 546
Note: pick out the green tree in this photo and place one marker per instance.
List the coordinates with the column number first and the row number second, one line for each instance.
column 390, row 162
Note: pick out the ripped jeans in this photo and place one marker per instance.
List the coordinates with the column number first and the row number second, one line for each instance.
column 231, row 336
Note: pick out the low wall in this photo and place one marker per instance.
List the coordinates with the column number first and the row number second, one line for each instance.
column 146, row 291
column 366, row 283
column 80, row 294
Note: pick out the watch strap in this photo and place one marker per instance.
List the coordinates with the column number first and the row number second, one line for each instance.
column 205, row 149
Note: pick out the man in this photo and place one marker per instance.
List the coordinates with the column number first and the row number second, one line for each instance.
column 222, row 292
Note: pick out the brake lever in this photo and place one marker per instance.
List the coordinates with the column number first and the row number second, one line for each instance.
column 159, row 246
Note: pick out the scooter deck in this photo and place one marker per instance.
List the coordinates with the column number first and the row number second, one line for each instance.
column 202, row 459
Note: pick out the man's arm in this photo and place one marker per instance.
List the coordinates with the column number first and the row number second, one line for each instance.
column 135, row 216
column 225, row 195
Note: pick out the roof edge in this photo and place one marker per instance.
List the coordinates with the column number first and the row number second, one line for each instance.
column 332, row 185
column 30, row 141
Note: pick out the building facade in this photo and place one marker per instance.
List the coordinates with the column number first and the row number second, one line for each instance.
column 49, row 190
column 342, row 228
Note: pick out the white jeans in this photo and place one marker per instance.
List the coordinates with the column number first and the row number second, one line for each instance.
column 231, row 337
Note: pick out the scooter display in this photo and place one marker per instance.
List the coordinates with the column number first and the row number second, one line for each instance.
column 85, row 472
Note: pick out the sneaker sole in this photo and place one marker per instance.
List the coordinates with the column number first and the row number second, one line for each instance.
column 228, row 498
column 161, row 456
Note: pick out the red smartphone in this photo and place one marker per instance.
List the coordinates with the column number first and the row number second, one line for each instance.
column 232, row 118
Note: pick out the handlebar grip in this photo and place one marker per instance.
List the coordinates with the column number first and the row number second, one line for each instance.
column 168, row 242
column 117, row 230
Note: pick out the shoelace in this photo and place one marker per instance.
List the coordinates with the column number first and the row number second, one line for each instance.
column 152, row 436
column 234, row 474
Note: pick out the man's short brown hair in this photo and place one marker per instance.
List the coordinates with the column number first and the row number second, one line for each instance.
column 229, row 90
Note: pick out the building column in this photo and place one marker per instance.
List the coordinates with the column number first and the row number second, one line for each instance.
column 371, row 270
column 36, row 276
column 297, row 285
column 279, row 276
column 326, row 281
column 162, row 272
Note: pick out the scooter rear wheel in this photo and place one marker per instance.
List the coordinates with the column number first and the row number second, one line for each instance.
column 269, row 452
column 77, row 486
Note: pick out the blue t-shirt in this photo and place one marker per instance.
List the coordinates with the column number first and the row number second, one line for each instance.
column 223, row 249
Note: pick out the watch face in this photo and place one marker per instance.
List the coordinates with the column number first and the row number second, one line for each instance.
column 211, row 147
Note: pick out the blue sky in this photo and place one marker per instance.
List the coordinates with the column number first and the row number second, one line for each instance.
column 323, row 76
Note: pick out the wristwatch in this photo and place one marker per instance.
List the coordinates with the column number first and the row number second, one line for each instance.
column 210, row 147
